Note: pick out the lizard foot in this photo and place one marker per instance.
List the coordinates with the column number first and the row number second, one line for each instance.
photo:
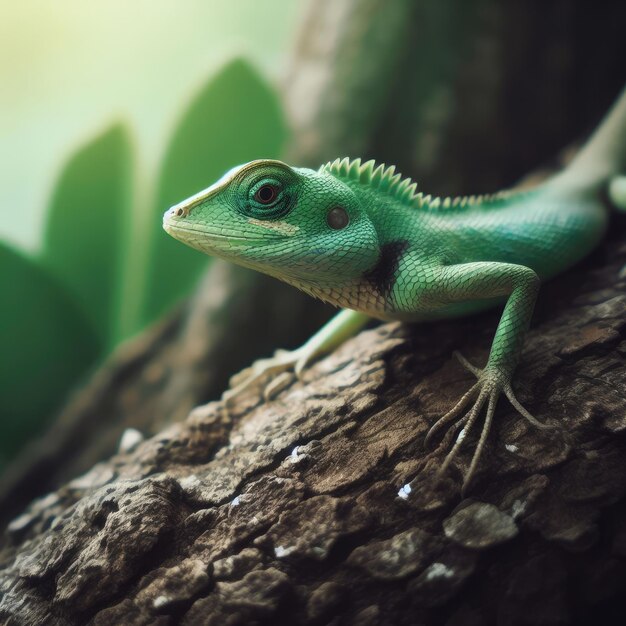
column 345, row 324
column 487, row 389
column 275, row 368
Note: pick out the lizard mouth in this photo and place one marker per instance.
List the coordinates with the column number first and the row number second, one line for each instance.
column 200, row 234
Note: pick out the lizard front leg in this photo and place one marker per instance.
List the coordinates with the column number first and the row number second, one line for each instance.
column 339, row 328
column 476, row 281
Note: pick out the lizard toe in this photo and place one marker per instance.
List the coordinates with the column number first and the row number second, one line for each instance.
column 491, row 383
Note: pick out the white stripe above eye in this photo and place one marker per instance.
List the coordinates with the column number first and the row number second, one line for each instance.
column 192, row 201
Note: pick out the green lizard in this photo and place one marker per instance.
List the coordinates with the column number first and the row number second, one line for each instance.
column 358, row 235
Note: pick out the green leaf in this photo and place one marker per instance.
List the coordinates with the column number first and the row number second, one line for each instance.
column 47, row 345
column 87, row 222
column 235, row 118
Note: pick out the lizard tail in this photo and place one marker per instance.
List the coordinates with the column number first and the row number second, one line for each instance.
column 603, row 158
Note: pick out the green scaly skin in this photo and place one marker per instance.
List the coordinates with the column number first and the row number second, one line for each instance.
column 359, row 236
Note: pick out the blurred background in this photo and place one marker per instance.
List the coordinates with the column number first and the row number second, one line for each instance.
column 112, row 111
column 69, row 69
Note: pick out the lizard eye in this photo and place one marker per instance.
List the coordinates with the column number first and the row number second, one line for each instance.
column 266, row 194
column 268, row 199
column 337, row 218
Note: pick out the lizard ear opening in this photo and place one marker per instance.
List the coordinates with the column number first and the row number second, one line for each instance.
column 337, row 218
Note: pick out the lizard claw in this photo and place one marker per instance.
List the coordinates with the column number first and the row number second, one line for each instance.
column 490, row 384
column 284, row 365
column 281, row 362
column 278, row 384
column 277, row 368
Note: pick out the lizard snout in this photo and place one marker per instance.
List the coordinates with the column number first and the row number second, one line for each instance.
column 176, row 211
column 173, row 216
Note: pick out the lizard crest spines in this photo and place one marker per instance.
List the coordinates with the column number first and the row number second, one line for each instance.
column 384, row 178
column 376, row 176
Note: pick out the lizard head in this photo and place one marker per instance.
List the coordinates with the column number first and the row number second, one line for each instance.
column 299, row 225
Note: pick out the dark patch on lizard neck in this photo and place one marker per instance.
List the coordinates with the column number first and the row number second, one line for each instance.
column 382, row 276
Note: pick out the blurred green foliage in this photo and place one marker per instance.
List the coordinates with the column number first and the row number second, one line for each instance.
column 235, row 118
column 87, row 222
column 47, row 344
column 102, row 274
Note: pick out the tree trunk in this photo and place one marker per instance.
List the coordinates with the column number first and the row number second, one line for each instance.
column 323, row 507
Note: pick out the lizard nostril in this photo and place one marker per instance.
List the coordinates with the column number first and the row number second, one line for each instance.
column 180, row 212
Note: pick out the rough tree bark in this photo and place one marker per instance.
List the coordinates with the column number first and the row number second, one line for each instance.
column 322, row 507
